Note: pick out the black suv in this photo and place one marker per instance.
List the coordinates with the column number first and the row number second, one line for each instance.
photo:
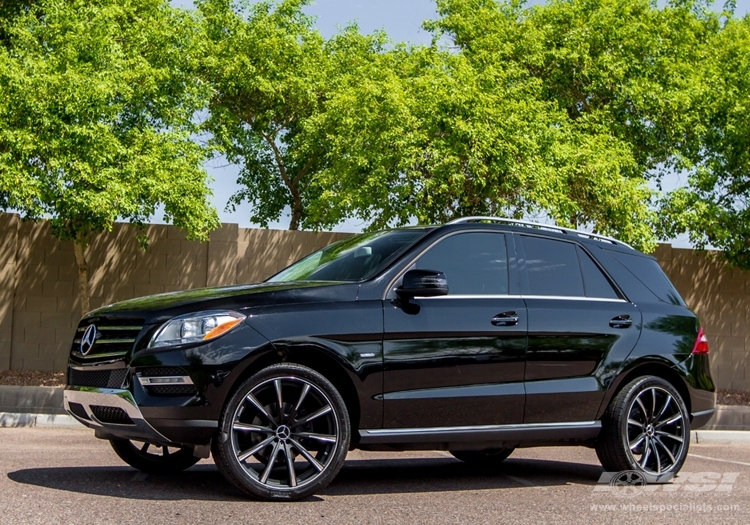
column 476, row 337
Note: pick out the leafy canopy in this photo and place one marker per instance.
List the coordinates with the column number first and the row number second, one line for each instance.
column 96, row 107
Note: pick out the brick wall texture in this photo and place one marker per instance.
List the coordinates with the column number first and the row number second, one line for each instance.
column 39, row 308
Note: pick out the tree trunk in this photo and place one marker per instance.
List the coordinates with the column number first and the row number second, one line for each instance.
column 79, row 247
column 296, row 212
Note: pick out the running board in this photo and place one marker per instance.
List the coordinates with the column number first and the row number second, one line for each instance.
column 578, row 430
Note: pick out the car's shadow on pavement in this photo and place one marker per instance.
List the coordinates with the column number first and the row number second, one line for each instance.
column 371, row 476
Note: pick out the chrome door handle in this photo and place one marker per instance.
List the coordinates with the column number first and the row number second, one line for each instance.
column 505, row 319
column 620, row 321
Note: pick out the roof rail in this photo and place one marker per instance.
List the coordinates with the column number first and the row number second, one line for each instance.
column 540, row 225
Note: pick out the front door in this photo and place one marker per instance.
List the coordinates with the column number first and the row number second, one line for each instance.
column 458, row 360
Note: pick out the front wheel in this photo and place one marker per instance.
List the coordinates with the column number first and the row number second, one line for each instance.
column 646, row 428
column 284, row 433
column 155, row 459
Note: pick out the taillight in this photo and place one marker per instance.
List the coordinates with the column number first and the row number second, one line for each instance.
column 701, row 343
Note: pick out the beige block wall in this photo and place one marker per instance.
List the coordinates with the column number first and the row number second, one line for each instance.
column 39, row 308
column 720, row 296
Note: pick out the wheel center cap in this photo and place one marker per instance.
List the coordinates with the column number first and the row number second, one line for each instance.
column 650, row 430
column 283, row 432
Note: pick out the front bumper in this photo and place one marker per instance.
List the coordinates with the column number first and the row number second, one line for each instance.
column 111, row 412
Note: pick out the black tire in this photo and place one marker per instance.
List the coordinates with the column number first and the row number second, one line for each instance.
column 646, row 428
column 483, row 458
column 163, row 460
column 284, row 434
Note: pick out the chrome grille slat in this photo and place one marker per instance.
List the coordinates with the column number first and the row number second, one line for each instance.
column 115, row 337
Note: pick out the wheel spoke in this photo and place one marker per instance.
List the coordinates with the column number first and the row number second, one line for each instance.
column 643, row 408
column 144, row 448
column 279, row 401
column 653, row 404
column 250, row 397
column 320, row 437
column 666, row 449
column 646, row 454
column 251, row 428
column 638, row 441
column 302, row 450
column 671, row 436
column 242, row 456
column 303, row 394
column 656, row 454
column 669, row 421
column 312, row 416
column 663, row 409
column 290, row 465
column 164, row 451
column 271, row 461
column 636, row 423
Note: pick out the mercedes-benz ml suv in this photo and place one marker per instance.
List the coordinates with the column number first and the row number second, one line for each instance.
column 476, row 337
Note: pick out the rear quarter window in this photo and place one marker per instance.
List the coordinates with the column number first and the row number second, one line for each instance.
column 648, row 272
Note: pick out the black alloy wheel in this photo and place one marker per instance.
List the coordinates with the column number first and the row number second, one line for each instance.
column 646, row 428
column 155, row 459
column 284, row 433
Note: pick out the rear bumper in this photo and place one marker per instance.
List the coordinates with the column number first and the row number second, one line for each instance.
column 111, row 412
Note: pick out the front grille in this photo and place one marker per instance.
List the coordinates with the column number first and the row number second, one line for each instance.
column 97, row 378
column 172, row 390
column 78, row 410
column 114, row 415
column 114, row 337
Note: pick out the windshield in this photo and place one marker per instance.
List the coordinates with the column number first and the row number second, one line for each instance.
column 353, row 259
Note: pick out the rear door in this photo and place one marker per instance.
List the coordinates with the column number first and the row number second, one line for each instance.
column 458, row 360
column 578, row 322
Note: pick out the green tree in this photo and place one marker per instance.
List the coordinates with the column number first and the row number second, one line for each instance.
column 471, row 129
column 271, row 72
column 714, row 205
column 96, row 108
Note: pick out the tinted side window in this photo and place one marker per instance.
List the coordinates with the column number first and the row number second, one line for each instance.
column 552, row 267
column 473, row 263
column 595, row 284
column 649, row 272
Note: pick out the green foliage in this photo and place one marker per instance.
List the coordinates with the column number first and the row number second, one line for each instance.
column 270, row 71
column 435, row 133
column 713, row 206
column 96, row 105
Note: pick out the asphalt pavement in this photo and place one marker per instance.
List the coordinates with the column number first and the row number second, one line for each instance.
column 66, row 476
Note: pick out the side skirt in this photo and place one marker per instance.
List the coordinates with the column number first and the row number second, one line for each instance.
column 527, row 434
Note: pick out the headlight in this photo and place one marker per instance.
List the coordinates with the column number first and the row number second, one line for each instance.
column 199, row 326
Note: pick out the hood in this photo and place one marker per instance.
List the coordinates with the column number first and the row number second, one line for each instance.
column 160, row 307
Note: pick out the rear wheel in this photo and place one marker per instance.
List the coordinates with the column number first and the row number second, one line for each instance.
column 284, row 433
column 483, row 458
column 156, row 459
column 646, row 428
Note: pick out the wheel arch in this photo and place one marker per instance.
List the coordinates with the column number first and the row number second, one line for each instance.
column 318, row 357
column 647, row 367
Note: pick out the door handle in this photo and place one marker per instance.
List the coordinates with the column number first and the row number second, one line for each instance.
column 505, row 319
column 620, row 321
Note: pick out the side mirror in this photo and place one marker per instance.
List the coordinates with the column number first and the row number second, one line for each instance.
column 422, row 283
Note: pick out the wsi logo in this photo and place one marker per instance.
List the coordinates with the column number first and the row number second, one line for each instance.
column 631, row 483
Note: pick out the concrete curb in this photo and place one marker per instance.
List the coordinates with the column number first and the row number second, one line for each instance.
column 719, row 436
column 18, row 419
